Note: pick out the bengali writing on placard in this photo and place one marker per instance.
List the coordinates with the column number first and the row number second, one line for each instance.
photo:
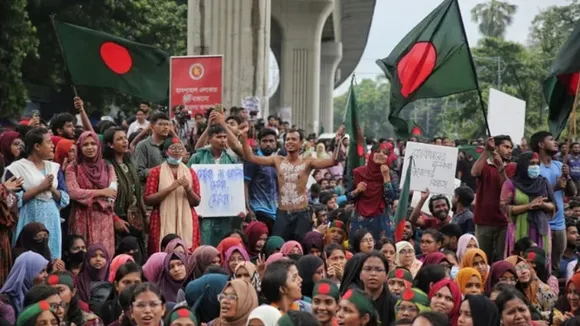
column 433, row 167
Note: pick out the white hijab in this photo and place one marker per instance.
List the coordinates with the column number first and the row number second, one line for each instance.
column 267, row 314
column 33, row 176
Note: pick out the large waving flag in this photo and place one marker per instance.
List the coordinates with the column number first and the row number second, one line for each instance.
column 357, row 149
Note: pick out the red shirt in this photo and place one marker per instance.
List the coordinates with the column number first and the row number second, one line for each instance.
column 487, row 209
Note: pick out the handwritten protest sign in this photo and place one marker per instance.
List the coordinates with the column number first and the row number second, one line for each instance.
column 222, row 189
column 425, row 208
column 433, row 167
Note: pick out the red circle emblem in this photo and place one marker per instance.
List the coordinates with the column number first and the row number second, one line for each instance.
column 116, row 57
column 183, row 313
column 43, row 305
column 416, row 66
column 338, row 224
column 399, row 273
column 52, row 280
column 408, row 295
column 347, row 295
column 324, row 288
column 531, row 255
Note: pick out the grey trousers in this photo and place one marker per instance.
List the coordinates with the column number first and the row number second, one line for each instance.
column 491, row 240
column 559, row 242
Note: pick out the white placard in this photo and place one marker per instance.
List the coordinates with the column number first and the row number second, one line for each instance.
column 286, row 114
column 433, row 167
column 425, row 209
column 251, row 103
column 506, row 115
column 222, row 189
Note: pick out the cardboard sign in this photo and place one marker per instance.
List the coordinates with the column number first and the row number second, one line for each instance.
column 425, row 208
column 251, row 103
column 506, row 115
column 433, row 168
column 222, row 189
column 196, row 82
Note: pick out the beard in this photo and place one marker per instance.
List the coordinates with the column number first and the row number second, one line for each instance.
column 267, row 151
column 551, row 152
column 454, row 208
column 442, row 215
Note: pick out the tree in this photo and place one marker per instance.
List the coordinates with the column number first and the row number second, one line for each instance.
column 493, row 17
column 552, row 26
column 372, row 102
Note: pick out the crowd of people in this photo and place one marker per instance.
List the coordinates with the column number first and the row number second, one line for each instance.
column 98, row 226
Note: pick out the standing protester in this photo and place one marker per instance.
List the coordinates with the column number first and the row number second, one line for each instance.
column 148, row 152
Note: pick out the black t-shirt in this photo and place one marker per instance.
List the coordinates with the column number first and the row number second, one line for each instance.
column 466, row 178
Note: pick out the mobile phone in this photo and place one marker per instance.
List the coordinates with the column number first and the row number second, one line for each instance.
column 35, row 114
column 219, row 108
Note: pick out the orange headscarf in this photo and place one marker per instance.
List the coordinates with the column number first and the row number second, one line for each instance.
column 575, row 279
column 226, row 244
column 62, row 149
column 464, row 275
column 469, row 257
column 531, row 291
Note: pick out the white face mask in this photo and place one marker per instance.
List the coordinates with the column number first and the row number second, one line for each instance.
column 174, row 161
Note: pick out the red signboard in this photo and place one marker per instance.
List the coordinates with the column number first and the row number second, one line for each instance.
column 196, row 82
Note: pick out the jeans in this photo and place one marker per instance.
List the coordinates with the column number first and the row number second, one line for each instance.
column 491, row 240
column 292, row 225
column 559, row 241
column 378, row 226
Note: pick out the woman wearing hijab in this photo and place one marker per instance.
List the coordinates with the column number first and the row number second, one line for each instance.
column 469, row 281
column 265, row 314
column 201, row 259
column 92, row 187
column 527, row 200
column 130, row 245
column 172, row 276
column 375, row 188
column 233, row 257
column 11, row 147
column 177, row 245
column 257, row 233
column 313, row 243
column 476, row 259
column 201, row 295
column 405, row 257
column 117, row 262
column 248, row 272
column 445, row 298
column 65, row 152
column 130, row 215
column 351, row 272
column 311, row 270
column 173, row 191
column 43, row 192
column 466, row 242
column 8, row 219
column 501, row 272
column 94, row 269
column 539, row 294
column 478, row 310
column 273, row 245
column 154, row 266
column 568, row 306
column 237, row 300
column 292, row 249
column 226, row 244
column 33, row 237
column 536, row 257
column 29, row 269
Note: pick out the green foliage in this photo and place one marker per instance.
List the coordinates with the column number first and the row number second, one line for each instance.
column 372, row 103
column 17, row 41
column 493, row 17
column 162, row 23
column 551, row 27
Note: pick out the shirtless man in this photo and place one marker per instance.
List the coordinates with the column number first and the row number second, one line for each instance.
column 293, row 218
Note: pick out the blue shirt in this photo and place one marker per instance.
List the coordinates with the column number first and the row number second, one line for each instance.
column 553, row 173
column 574, row 164
column 262, row 187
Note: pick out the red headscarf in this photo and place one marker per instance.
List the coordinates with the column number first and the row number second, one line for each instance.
column 575, row 279
column 254, row 231
column 6, row 139
column 93, row 173
column 455, row 293
column 370, row 202
column 226, row 244
column 62, row 149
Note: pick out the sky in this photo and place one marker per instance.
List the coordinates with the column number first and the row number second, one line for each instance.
column 393, row 19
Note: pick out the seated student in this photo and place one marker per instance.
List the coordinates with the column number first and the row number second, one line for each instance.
column 451, row 234
column 325, row 297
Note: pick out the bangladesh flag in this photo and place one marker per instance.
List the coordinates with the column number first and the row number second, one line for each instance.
column 99, row 59
column 561, row 85
column 432, row 61
column 403, row 208
column 357, row 148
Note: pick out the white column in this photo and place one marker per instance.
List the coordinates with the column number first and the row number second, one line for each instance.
column 331, row 54
column 301, row 22
column 240, row 31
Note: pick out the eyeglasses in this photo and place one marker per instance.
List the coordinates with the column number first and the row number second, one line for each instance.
column 446, row 265
column 151, row 304
column 176, row 149
column 229, row 297
column 376, row 269
column 407, row 252
column 54, row 306
column 522, row 268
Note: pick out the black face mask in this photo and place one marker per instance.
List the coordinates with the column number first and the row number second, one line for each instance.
column 294, row 257
column 78, row 257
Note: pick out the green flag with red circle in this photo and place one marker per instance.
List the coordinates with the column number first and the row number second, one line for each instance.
column 433, row 60
column 95, row 58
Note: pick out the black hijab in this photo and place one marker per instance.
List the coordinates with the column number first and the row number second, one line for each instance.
column 307, row 266
column 351, row 275
column 27, row 241
column 130, row 246
column 483, row 311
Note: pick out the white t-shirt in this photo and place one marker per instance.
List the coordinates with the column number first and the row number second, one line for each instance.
column 135, row 126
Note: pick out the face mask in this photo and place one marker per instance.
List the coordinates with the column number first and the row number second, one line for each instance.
column 77, row 257
column 174, row 161
column 294, row 257
column 454, row 271
column 533, row 171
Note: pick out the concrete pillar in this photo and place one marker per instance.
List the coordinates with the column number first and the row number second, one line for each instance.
column 330, row 56
column 301, row 22
column 240, row 31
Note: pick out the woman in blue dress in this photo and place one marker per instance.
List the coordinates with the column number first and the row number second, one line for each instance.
column 43, row 191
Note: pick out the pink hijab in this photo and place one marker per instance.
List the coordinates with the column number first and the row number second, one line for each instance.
column 289, row 245
column 154, row 266
column 116, row 263
column 93, row 173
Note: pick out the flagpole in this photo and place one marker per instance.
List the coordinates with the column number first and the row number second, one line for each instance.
column 474, row 72
column 67, row 72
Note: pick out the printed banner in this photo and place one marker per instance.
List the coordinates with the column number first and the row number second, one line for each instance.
column 222, row 189
column 433, row 167
column 196, row 82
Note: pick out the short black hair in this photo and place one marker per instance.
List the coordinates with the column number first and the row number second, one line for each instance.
column 499, row 139
column 435, row 318
column 329, row 248
column 267, row 132
column 215, row 129
column 508, row 295
column 144, row 102
column 325, row 197
column 275, row 278
column 271, row 117
column 300, row 135
column 451, row 230
column 537, row 138
column 158, row 116
column 33, row 137
column 37, row 293
column 465, row 195
column 356, row 239
column 233, row 117
column 59, row 120
column 435, row 234
column 167, row 239
column 140, row 110
column 437, row 197
column 570, row 223
column 427, row 275
column 147, row 287
column 126, row 269
column 301, row 318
